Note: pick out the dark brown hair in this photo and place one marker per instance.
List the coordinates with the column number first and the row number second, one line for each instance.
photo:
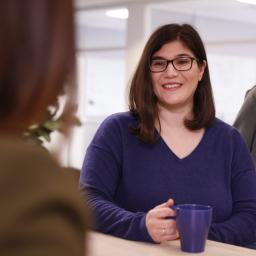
column 142, row 100
column 37, row 59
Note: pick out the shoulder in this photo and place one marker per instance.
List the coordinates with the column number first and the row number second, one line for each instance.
column 249, row 101
column 113, row 131
column 120, row 118
column 17, row 151
column 229, row 141
column 245, row 120
column 34, row 185
column 31, row 168
column 220, row 125
column 118, row 122
column 251, row 93
column 223, row 130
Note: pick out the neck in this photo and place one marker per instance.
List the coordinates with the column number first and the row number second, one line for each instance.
column 173, row 117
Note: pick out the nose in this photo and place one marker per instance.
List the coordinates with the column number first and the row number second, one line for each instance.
column 170, row 70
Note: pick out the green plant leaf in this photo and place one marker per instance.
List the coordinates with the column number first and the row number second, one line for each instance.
column 54, row 121
column 53, row 125
column 44, row 135
column 77, row 121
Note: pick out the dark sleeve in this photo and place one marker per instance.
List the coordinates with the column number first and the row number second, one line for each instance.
column 246, row 122
column 240, row 228
column 101, row 176
column 42, row 212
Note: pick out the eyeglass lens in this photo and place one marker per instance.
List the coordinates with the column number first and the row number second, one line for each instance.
column 180, row 64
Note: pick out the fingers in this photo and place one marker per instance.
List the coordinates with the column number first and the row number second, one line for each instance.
column 170, row 237
column 160, row 227
column 168, row 227
column 161, row 213
column 167, row 224
column 163, row 230
column 168, row 233
column 164, row 210
column 169, row 203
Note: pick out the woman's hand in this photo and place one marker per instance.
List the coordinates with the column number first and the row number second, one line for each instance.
column 160, row 227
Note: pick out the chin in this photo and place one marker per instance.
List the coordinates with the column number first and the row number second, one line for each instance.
column 174, row 104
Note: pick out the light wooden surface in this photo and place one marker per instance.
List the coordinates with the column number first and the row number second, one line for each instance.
column 106, row 245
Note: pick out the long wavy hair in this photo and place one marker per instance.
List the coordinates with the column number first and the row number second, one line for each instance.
column 142, row 99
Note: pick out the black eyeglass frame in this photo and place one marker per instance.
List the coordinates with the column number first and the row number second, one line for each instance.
column 171, row 61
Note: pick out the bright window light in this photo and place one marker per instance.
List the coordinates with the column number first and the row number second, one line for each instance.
column 247, row 1
column 118, row 13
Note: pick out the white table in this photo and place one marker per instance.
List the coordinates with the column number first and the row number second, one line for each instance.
column 106, row 245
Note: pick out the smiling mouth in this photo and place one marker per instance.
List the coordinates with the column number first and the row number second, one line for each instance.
column 171, row 86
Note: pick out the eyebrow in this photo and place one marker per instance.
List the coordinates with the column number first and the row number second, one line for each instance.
column 177, row 56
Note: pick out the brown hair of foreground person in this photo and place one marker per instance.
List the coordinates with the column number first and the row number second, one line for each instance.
column 42, row 213
column 37, row 58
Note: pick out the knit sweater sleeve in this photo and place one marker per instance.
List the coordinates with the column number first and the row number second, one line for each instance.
column 100, row 177
column 240, row 228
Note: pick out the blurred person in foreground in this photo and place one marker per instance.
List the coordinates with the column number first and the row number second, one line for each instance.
column 170, row 149
column 245, row 121
column 41, row 209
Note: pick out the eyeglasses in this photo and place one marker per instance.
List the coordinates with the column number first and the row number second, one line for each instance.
column 183, row 63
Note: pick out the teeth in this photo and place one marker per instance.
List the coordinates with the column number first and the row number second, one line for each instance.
column 171, row 85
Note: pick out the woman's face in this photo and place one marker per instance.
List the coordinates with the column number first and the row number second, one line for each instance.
column 175, row 89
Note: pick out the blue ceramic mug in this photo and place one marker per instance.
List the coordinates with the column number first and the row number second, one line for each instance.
column 193, row 222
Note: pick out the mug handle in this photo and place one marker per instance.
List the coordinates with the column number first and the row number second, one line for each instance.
column 174, row 208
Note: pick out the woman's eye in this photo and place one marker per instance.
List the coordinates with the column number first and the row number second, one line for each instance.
column 158, row 63
column 182, row 61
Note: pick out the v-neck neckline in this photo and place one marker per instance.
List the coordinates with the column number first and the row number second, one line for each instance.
column 191, row 154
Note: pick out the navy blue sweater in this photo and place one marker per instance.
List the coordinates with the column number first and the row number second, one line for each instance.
column 125, row 178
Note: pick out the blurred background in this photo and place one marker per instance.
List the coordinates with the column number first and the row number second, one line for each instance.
column 110, row 38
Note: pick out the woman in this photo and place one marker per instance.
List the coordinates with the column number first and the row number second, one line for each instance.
column 42, row 212
column 170, row 149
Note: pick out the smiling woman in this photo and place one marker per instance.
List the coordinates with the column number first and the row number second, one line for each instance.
column 170, row 149
column 172, row 46
column 175, row 85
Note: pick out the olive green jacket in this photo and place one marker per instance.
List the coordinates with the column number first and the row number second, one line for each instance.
column 246, row 121
column 41, row 211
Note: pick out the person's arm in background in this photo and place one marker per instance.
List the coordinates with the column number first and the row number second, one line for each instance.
column 246, row 121
column 42, row 212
